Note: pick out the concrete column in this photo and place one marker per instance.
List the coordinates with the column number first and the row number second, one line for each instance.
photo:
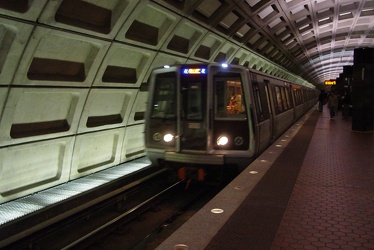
column 363, row 90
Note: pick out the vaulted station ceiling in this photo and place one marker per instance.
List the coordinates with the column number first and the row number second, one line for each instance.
column 311, row 38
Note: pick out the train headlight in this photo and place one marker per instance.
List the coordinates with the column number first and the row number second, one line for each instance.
column 222, row 140
column 168, row 137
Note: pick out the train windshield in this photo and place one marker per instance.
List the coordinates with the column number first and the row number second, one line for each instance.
column 193, row 101
column 164, row 102
column 229, row 101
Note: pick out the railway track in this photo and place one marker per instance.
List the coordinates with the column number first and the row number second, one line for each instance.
column 81, row 228
column 137, row 218
column 149, row 228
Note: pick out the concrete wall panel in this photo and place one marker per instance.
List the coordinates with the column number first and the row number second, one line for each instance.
column 32, row 114
column 98, row 18
column 13, row 39
column 133, row 144
column 62, row 59
column 96, row 151
column 124, row 66
column 184, row 38
column 106, row 109
column 27, row 10
column 28, row 168
column 148, row 26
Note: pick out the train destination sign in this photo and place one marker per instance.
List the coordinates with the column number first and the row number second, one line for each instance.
column 330, row 82
column 194, row 71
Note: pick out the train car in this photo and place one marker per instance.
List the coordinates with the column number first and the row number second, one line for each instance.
column 206, row 116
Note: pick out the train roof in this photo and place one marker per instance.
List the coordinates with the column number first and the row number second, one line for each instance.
column 290, row 79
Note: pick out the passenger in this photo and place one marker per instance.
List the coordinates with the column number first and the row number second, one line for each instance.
column 235, row 104
column 333, row 104
column 232, row 104
column 238, row 103
column 346, row 104
column 322, row 99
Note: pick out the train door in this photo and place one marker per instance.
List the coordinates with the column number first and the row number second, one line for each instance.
column 177, row 119
column 262, row 103
column 271, row 110
column 192, row 113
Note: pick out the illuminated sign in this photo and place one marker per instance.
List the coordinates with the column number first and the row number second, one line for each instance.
column 330, row 82
column 194, row 71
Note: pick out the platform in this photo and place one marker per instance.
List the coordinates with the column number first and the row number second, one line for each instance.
column 312, row 189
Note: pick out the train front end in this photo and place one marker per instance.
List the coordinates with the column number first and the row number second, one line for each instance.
column 198, row 117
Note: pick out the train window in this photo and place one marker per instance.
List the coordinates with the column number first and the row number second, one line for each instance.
column 284, row 101
column 229, row 102
column 164, row 102
column 288, row 100
column 256, row 94
column 298, row 97
column 278, row 98
column 262, row 107
column 193, row 101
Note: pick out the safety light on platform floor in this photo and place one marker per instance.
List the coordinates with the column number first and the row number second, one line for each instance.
column 253, row 172
column 217, row 211
column 180, row 247
column 222, row 140
column 168, row 137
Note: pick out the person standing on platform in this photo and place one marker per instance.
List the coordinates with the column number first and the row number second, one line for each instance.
column 333, row 104
column 322, row 98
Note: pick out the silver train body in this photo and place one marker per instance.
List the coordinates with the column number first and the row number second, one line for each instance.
column 218, row 115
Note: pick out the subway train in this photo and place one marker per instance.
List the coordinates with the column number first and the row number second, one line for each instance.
column 203, row 117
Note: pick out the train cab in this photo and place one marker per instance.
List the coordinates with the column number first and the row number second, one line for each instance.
column 199, row 115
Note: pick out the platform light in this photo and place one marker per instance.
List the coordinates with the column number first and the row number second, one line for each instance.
column 222, row 140
column 168, row 137
column 217, row 211
column 180, row 247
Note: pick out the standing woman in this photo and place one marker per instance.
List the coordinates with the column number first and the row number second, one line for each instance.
column 333, row 104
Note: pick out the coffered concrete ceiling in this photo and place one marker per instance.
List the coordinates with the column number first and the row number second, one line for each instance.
column 312, row 39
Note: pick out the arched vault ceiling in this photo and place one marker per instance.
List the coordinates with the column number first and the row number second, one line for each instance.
column 312, row 38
